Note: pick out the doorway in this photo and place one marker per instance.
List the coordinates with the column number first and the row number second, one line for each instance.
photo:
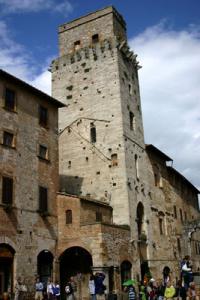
column 6, row 269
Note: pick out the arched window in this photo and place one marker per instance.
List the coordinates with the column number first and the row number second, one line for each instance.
column 68, row 215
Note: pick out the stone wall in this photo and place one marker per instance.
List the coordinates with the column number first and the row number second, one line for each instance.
column 21, row 226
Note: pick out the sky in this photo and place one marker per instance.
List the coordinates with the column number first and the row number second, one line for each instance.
column 165, row 34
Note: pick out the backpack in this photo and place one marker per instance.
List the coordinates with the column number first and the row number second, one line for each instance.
column 68, row 289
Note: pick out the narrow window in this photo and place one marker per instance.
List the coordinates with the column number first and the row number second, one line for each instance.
column 157, row 177
column 95, row 38
column 92, row 133
column 132, row 121
column 130, row 89
column 175, row 212
column 179, row 245
column 43, row 116
column 98, row 216
column 43, row 152
column 43, row 199
column 68, row 216
column 7, row 190
column 114, row 160
column 77, row 45
column 136, row 166
column 8, row 139
column 181, row 215
column 161, row 226
column 10, row 99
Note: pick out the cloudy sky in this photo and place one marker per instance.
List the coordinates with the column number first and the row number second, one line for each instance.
column 164, row 33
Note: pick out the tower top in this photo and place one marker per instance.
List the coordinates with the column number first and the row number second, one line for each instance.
column 96, row 27
column 91, row 17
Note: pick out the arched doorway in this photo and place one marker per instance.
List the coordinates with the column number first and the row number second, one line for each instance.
column 125, row 270
column 6, row 268
column 142, row 240
column 44, row 265
column 76, row 262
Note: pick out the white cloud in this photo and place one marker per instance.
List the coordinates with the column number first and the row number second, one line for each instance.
column 26, row 6
column 170, row 94
column 16, row 60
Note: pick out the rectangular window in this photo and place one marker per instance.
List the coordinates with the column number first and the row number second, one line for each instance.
column 93, row 138
column 77, row 45
column 161, row 226
column 8, row 139
column 43, row 116
column 68, row 215
column 10, row 99
column 98, row 216
column 114, row 160
column 175, row 212
column 7, row 190
column 43, row 199
column 43, row 152
column 95, row 38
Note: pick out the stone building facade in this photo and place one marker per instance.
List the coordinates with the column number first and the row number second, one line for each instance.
column 28, row 182
column 103, row 158
column 121, row 207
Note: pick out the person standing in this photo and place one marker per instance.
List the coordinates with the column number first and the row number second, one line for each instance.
column 20, row 289
column 69, row 291
column 131, row 292
column 91, row 286
column 50, row 285
column 169, row 291
column 39, row 287
column 99, row 286
column 56, row 291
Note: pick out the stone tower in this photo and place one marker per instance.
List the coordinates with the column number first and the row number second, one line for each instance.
column 102, row 151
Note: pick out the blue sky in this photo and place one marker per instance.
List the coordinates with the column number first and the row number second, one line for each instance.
column 164, row 33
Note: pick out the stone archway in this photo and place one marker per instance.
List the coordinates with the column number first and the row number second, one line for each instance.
column 6, row 269
column 45, row 265
column 76, row 262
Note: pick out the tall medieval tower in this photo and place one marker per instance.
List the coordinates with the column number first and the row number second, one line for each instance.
column 102, row 151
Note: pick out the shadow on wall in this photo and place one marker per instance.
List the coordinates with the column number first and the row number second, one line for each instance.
column 70, row 184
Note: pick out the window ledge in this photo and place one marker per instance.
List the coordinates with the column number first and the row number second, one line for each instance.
column 44, row 159
column 10, row 110
column 7, row 146
column 7, row 206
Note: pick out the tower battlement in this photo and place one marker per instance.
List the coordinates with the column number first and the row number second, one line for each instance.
column 91, row 29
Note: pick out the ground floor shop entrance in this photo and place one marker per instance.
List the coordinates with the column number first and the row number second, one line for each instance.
column 6, row 269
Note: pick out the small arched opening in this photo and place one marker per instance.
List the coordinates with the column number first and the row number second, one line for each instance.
column 6, row 269
column 125, row 270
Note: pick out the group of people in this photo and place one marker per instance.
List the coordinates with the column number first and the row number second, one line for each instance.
column 149, row 289
column 164, row 289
